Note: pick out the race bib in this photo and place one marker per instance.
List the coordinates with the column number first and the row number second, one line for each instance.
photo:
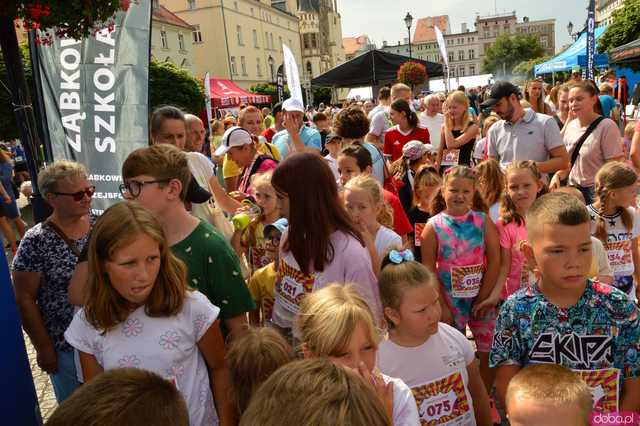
column 259, row 258
column 604, row 386
column 450, row 157
column 291, row 286
column 466, row 280
column 620, row 258
column 417, row 240
column 443, row 402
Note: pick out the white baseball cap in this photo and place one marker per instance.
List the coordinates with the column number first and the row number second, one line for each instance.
column 293, row 104
column 233, row 136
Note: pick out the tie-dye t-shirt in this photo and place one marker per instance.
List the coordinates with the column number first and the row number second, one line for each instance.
column 460, row 260
column 599, row 336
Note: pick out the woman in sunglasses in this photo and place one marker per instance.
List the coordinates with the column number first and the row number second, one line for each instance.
column 43, row 266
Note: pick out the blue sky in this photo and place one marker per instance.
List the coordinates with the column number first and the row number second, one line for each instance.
column 374, row 17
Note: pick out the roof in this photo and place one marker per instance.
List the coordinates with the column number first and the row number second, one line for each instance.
column 568, row 59
column 424, row 28
column 164, row 15
column 353, row 44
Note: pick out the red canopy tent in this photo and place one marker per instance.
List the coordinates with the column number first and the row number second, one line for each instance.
column 225, row 93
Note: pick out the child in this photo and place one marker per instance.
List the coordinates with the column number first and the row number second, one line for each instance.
column 425, row 185
column 263, row 281
column 355, row 160
column 459, row 132
column 629, row 130
column 315, row 392
column 480, row 151
column 252, row 358
column 335, row 323
column 139, row 313
column 566, row 318
column 333, row 145
column 364, row 201
column 600, row 267
column 434, row 359
column 415, row 154
column 538, row 390
column 491, row 182
column 123, row 397
column 322, row 245
column 460, row 244
column 615, row 221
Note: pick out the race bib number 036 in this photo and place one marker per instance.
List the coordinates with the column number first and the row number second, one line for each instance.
column 466, row 280
column 443, row 402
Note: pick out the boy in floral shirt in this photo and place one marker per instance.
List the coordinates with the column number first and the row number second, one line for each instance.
column 565, row 318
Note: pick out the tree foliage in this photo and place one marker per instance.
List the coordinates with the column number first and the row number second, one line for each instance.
column 526, row 68
column 170, row 85
column 509, row 51
column 624, row 29
column 269, row 89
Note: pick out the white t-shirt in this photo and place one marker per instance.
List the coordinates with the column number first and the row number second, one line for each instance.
column 436, row 372
column 386, row 240
column 600, row 263
column 380, row 123
column 333, row 165
column 202, row 169
column 434, row 125
column 405, row 410
column 167, row 346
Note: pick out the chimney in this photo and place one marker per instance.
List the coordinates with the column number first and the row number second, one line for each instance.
column 464, row 28
column 384, row 43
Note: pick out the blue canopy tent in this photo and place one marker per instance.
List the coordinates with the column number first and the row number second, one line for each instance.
column 570, row 58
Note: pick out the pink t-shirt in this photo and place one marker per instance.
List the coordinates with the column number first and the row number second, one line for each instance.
column 245, row 183
column 351, row 264
column 602, row 145
column 511, row 235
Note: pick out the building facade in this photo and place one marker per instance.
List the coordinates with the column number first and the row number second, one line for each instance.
column 239, row 40
column 544, row 30
column 355, row 46
column 604, row 10
column 425, row 31
column 171, row 38
column 321, row 37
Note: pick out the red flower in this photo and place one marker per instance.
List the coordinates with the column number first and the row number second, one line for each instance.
column 124, row 4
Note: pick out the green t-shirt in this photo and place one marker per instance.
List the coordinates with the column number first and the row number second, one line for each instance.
column 214, row 270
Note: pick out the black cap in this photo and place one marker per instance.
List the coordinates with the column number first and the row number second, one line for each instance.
column 331, row 136
column 276, row 108
column 499, row 90
column 197, row 194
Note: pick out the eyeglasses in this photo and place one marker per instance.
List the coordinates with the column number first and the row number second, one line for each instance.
column 78, row 196
column 134, row 187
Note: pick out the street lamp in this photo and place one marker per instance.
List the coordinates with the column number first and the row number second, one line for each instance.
column 570, row 30
column 408, row 20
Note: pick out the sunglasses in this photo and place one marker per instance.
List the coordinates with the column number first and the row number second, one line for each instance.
column 78, row 196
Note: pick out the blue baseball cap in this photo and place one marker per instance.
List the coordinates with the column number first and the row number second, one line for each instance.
column 279, row 225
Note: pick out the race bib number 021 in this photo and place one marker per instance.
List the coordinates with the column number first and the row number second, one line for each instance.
column 466, row 280
column 291, row 286
column 443, row 402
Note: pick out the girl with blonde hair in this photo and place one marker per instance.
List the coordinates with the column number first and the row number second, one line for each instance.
column 459, row 132
column 140, row 313
column 336, row 323
column 491, row 184
column 427, row 181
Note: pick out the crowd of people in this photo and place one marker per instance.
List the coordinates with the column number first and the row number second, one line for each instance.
column 437, row 260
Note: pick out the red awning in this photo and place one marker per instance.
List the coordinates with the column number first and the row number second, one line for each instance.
column 224, row 93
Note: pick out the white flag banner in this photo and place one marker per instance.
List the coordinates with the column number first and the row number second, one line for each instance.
column 207, row 93
column 291, row 71
column 442, row 45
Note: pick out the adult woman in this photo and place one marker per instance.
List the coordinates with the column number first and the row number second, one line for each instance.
column 459, row 132
column 534, row 94
column 168, row 125
column 601, row 145
column 11, row 211
column 43, row 267
column 406, row 129
column 322, row 244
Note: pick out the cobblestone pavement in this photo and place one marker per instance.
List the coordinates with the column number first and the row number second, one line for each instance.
column 44, row 390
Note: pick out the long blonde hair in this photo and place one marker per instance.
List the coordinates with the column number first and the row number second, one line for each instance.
column 492, row 178
column 425, row 176
column 373, row 188
column 459, row 97
column 612, row 176
column 540, row 106
column 508, row 211
column 328, row 318
column 118, row 227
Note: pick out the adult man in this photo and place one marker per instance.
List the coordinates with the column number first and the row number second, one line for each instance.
column 384, row 100
column 432, row 119
column 296, row 137
column 278, row 118
column 195, row 133
column 157, row 178
column 523, row 135
column 381, row 120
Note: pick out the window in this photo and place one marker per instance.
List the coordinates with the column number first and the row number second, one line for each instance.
column 472, row 54
column 163, row 39
column 453, row 72
column 314, row 41
column 180, row 41
column 461, row 55
column 239, row 34
column 461, row 72
column 271, row 71
column 234, row 69
column 487, row 34
column 255, row 38
column 271, row 39
column 266, row 40
column 191, row 4
column 305, row 41
column 197, row 35
column 243, row 65
column 251, row 11
column 472, row 70
column 450, row 57
column 309, row 70
column 235, row 5
column 258, row 68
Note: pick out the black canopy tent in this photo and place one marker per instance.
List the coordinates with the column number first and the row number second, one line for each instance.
column 629, row 52
column 372, row 68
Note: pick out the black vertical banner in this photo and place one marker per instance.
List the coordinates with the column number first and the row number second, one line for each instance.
column 280, row 83
column 591, row 39
column 95, row 95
